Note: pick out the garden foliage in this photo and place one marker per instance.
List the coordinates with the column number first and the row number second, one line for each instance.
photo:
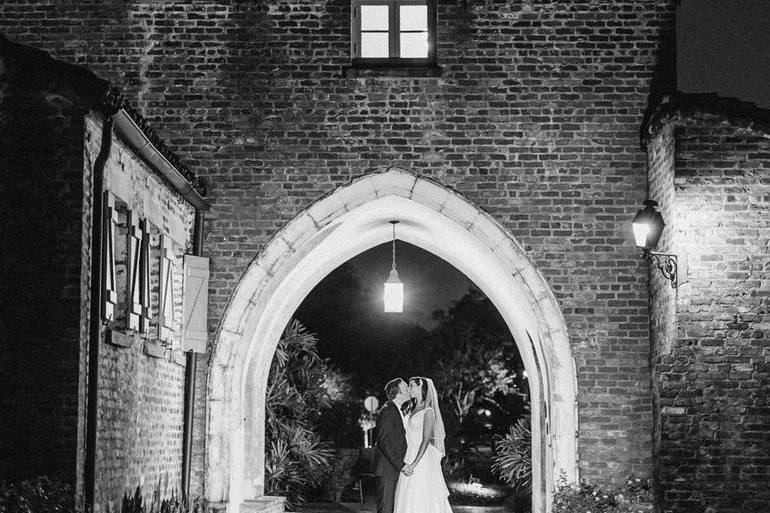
column 634, row 496
column 296, row 459
column 513, row 455
column 38, row 495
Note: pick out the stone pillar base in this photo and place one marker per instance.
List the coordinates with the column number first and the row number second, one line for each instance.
column 264, row 504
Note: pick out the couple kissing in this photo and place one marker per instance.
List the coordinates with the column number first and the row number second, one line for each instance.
column 409, row 448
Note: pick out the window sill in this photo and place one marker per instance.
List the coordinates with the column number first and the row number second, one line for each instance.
column 393, row 68
column 154, row 349
column 118, row 338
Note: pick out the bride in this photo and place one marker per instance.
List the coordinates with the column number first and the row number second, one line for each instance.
column 424, row 491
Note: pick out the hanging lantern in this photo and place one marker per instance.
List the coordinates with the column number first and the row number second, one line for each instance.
column 394, row 289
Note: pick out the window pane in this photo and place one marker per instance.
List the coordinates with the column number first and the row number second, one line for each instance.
column 414, row 44
column 374, row 17
column 374, row 44
column 414, row 17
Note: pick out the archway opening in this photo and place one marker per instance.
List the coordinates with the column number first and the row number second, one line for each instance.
column 349, row 221
column 342, row 348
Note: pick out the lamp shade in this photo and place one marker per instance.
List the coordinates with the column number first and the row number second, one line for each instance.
column 648, row 226
column 394, row 293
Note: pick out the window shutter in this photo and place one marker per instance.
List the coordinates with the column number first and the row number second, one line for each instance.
column 144, row 277
column 166, row 292
column 109, row 287
column 196, row 294
column 134, row 267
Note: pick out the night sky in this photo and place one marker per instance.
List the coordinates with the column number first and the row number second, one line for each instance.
column 723, row 46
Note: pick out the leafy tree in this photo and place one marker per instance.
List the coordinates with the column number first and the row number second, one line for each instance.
column 481, row 365
column 295, row 456
column 339, row 422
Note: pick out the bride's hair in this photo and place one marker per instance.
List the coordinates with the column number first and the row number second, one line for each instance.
column 423, row 387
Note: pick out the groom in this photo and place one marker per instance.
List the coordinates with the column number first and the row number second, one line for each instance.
column 390, row 447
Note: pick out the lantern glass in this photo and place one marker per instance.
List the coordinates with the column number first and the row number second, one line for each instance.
column 648, row 226
column 641, row 231
column 394, row 294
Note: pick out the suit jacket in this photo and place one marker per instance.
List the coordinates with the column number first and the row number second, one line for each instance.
column 391, row 441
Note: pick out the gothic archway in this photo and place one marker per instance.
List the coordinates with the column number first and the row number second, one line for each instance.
column 337, row 227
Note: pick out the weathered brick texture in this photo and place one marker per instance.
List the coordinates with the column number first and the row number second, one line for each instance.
column 47, row 156
column 140, row 421
column 535, row 119
column 713, row 373
column 41, row 158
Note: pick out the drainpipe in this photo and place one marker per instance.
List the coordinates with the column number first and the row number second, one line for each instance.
column 189, row 380
column 95, row 324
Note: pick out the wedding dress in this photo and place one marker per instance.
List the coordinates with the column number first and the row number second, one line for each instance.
column 425, row 491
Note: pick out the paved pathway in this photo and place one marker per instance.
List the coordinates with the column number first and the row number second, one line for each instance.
column 370, row 507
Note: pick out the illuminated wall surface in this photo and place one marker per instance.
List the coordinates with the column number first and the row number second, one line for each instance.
column 534, row 118
column 710, row 336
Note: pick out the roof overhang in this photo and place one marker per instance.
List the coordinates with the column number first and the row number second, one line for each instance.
column 130, row 133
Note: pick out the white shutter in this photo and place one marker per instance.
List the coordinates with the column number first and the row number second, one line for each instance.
column 196, row 299
column 109, row 285
column 166, row 292
column 144, row 277
column 134, row 268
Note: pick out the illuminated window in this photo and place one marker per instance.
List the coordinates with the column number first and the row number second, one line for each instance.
column 391, row 31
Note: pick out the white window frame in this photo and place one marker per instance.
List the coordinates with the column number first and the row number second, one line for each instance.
column 394, row 40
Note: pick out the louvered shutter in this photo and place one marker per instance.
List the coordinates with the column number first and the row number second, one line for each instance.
column 196, row 294
column 144, row 277
column 166, row 292
column 109, row 286
column 134, row 267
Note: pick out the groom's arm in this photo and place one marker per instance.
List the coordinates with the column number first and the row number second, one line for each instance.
column 388, row 427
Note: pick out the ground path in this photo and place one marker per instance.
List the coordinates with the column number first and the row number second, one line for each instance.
column 370, row 507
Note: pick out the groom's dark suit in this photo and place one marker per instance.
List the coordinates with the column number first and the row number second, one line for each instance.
column 389, row 455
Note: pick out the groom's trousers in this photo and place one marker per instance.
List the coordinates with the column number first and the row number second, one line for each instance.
column 386, row 492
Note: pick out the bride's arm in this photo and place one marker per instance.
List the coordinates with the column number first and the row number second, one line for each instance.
column 427, row 434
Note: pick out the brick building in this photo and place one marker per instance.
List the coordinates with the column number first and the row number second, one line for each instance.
column 516, row 144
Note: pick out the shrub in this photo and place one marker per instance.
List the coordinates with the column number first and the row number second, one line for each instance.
column 340, row 474
column 295, row 457
column 135, row 504
column 635, row 496
column 39, row 495
column 513, row 456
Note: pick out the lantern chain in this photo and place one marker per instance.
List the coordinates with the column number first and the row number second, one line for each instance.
column 394, row 243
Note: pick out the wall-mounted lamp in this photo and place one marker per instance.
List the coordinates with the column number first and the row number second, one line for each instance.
column 648, row 226
column 394, row 289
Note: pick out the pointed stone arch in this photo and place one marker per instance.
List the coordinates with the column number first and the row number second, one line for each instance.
column 334, row 229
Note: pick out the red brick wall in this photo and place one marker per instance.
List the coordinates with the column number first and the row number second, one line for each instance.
column 41, row 186
column 712, row 377
column 140, row 423
column 661, row 154
column 140, row 420
column 47, row 154
column 535, row 118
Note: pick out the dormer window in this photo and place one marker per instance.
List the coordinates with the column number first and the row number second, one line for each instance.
column 394, row 31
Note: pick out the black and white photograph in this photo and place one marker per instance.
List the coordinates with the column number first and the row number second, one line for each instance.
column 385, row 256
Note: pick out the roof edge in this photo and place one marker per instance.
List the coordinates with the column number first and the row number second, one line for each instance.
column 708, row 107
column 132, row 134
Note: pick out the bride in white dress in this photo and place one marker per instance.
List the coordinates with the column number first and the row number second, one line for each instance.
column 424, row 491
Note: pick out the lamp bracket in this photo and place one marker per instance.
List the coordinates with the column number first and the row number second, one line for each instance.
column 666, row 264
